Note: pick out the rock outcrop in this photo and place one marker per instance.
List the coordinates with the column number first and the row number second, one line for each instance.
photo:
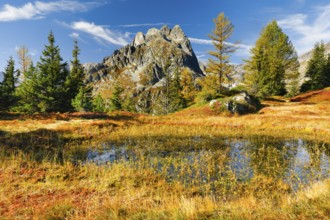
column 241, row 103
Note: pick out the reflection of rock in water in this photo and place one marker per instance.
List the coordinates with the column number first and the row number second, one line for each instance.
column 108, row 156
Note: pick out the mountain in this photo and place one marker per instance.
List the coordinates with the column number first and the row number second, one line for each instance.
column 142, row 65
column 303, row 59
column 148, row 54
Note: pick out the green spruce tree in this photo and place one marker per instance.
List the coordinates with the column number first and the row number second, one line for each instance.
column 76, row 78
column 115, row 100
column 83, row 100
column 327, row 75
column 317, row 69
column 98, row 104
column 273, row 60
column 27, row 92
column 51, row 79
column 177, row 100
column 8, row 86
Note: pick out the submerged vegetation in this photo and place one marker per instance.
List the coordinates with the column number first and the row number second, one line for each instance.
column 194, row 164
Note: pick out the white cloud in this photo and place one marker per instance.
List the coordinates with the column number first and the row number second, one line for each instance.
column 306, row 31
column 39, row 9
column 143, row 25
column 100, row 33
column 74, row 35
column 242, row 49
column 200, row 41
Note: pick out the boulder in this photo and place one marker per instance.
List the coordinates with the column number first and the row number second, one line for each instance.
column 243, row 103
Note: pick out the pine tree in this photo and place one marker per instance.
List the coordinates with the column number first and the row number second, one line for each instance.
column 27, row 92
column 317, row 69
column 115, row 100
column 8, row 86
column 83, row 100
column 327, row 75
column 210, row 87
column 176, row 99
column 273, row 61
column 50, row 80
column 98, row 104
column 76, row 78
column 188, row 87
column 222, row 32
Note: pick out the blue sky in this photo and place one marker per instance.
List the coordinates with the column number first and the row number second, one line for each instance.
column 105, row 25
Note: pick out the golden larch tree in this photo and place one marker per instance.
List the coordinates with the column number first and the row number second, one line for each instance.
column 220, row 65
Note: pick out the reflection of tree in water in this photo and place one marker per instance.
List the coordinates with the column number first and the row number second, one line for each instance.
column 271, row 159
column 311, row 163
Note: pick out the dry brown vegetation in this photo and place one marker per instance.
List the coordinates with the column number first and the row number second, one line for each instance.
column 46, row 186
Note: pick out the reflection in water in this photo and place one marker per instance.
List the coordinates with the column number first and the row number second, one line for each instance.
column 296, row 162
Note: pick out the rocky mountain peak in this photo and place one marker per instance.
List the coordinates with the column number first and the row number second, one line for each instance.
column 139, row 39
column 149, row 52
column 165, row 30
column 145, row 62
column 177, row 34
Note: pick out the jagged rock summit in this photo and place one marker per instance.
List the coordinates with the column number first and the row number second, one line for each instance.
column 150, row 55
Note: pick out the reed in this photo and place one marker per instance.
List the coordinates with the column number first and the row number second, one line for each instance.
column 190, row 165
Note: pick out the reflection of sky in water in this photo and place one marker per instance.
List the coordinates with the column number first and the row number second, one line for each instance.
column 240, row 160
column 191, row 165
column 304, row 170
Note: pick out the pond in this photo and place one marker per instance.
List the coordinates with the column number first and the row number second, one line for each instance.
column 220, row 161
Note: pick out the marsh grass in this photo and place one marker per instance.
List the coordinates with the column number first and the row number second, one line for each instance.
column 180, row 167
column 49, row 190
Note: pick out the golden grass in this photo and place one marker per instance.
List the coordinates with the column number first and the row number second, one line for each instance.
column 52, row 191
column 47, row 189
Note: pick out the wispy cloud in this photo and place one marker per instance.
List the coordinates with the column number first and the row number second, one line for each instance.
column 306, row 31
column 242, row 49
column 74, row 35
column 102, row 34
column 39, row 9
column 143, row 25
column 200, row 41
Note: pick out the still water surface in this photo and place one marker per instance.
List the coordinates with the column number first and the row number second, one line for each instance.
column 198, row 160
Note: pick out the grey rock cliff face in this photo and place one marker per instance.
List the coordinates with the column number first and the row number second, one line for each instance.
column 152, row 54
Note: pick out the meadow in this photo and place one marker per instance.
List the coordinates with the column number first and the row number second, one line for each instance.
column 194, row 164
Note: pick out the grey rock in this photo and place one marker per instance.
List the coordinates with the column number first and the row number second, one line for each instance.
column 139, row 39
column 243, row 103
column 213, row 103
